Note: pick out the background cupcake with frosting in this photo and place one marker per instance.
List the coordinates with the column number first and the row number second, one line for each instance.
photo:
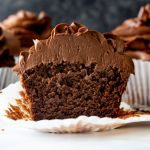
column 136, row 34
column 26, row 26
column 9, row 57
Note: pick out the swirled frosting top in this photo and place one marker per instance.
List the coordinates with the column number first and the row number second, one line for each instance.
column 8, row 43
column 136, row 26
column 76, row 43
column 136, row 32
column 25, row 24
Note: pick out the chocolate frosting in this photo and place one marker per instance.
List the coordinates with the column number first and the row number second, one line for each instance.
column 8, row 43
column 76, row 43
column 26, row 24
column 136, row 33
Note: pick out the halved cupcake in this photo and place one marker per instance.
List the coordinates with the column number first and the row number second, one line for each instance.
column 75, row 72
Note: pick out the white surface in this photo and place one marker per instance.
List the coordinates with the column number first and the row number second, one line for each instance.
column 134, row 136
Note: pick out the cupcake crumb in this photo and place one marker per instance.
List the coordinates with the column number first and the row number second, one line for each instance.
column 124, row 114
column 0, row 91
column 2, row 129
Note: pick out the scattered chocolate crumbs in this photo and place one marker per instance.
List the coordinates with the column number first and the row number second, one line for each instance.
column 21, row 111
column 127, row 113
column 137, row 109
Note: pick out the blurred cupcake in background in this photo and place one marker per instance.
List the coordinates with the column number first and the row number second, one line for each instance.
column 27, row 26
column 136, row 34
column 9, row 57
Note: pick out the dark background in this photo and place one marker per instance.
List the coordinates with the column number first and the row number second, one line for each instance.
column 101, row 15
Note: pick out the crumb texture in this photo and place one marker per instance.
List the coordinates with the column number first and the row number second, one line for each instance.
column 69, row 90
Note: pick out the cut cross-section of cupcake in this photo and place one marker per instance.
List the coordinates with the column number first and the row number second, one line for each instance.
column 75, row 72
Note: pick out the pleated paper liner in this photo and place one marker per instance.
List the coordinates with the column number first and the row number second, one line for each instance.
column 138, row 88
column 10, row 96
column 7, row 76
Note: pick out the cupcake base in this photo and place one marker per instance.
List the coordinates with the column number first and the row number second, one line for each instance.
column 70, row 125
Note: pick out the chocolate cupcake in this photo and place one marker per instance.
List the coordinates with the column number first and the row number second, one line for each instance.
column 136, row 34
column 75, row 72
column 28, row 26
column 9, row 50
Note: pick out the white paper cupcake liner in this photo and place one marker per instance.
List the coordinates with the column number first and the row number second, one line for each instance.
column 72, row 125
column 7, row 76
column 138, row 88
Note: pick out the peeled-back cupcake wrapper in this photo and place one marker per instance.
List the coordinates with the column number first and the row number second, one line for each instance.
column 72, row 125
column 138, row 88
column 7, row 76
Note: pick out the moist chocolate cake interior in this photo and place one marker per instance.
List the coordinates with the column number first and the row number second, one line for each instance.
column 70, row 90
